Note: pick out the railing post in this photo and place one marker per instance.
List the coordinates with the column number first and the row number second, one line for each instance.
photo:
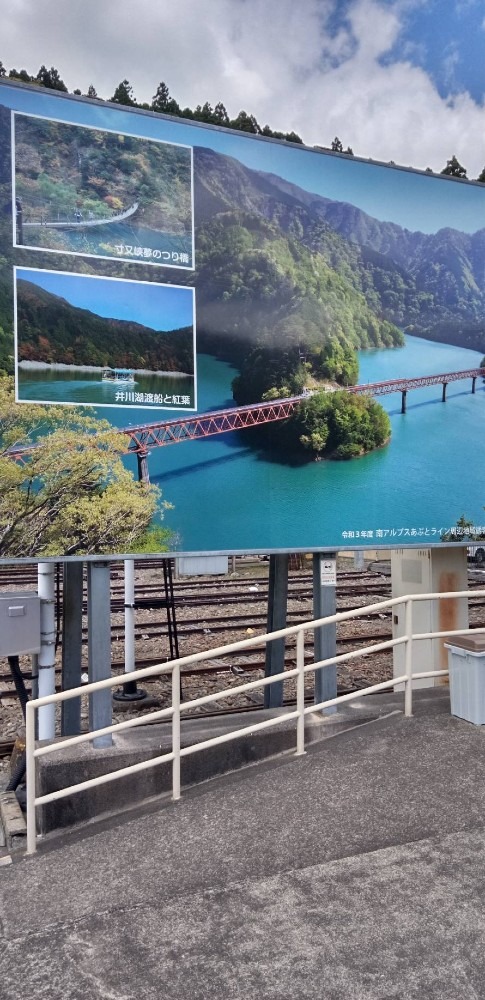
column 300, row 693
column 30, row 767
column 408, row 628
column 176, row 732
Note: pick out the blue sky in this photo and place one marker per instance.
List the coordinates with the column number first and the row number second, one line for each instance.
column 445, row 38
column 161, row 307
column 448, row 40
column 419, row 202
column 400, row 80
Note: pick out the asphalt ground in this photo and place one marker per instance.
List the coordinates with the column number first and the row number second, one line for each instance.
column 356, row 871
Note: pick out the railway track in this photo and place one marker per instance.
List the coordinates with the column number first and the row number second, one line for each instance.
column 211, row 603
column 250, row 663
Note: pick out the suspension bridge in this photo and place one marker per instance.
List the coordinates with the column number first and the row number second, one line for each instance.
column 76, row 222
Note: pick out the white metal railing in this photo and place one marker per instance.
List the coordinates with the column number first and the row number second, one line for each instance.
column 175, row 710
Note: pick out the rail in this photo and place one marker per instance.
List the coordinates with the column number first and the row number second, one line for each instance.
column 174, row 711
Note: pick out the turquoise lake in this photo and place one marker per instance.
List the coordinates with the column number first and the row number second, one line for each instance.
column 228, row 497
column 81, row 387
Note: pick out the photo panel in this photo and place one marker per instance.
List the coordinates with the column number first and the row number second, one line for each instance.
column 83, row 190
column 82, row 339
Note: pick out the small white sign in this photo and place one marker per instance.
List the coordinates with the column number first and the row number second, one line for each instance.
column 328, row 572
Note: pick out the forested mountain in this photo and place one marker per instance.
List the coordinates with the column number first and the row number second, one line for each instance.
column 260, row 283
column 430, row 285
column 54, row 331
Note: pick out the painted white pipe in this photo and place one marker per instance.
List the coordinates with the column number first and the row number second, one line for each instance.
column 129, row 616
column 47, row 655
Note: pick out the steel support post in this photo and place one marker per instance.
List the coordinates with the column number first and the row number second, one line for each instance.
column 443, row 396
column 277, row 608
column 325, row 638
column 72, row 621
column 47, row 655
column 474, row 382
column 99, row 648
column 359, row 561
column 403, row 400
column 129, row 691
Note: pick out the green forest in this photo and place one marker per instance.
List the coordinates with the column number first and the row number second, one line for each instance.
column 335, row 425
column 53, row 331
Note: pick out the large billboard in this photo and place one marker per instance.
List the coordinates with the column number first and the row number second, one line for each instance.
column 289, row 340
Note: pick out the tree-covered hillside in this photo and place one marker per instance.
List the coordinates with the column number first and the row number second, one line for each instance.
column 63, row 169
column 260, row 287
column 418, row 282
column 53, row 331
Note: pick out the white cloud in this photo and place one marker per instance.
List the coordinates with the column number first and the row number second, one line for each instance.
column 278, row 61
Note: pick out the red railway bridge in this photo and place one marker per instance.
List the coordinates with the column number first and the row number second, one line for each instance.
column 144, row 437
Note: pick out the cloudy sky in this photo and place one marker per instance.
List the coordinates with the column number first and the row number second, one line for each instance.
column 400, row 80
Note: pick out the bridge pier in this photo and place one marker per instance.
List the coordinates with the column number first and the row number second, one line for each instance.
column 474, row 381
column 443, row 395
column 403, row 400
column 143, row 473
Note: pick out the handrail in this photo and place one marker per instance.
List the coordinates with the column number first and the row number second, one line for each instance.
column 177, row 707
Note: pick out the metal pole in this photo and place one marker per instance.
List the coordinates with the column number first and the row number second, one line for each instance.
column 325, row 640
column 129, row 565
column 129, row 692
column 275, row 650
column 35, row 675
column 72, row 622
column 47, row 654
column 359, row 562
column 99, row 649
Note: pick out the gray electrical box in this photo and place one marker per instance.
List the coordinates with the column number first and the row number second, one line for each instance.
column 19, row 623
column 466, row 655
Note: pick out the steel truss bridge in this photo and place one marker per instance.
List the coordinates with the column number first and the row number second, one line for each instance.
column 144, row 437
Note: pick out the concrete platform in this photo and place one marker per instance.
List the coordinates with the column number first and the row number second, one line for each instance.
column 355, row 872
column 146, row 742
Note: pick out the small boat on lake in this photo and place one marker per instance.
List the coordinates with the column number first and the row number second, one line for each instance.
column 119, row 376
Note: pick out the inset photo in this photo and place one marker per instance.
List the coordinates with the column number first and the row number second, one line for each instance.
column 101, row 194
column 82, row 339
